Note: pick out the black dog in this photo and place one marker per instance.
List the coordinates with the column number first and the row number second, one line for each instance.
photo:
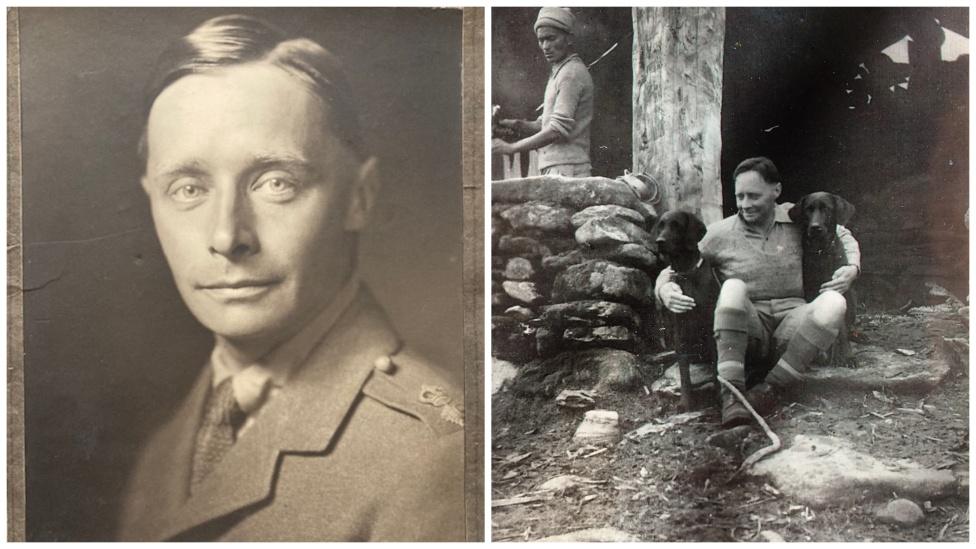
column 677, row 239
column 818, row 215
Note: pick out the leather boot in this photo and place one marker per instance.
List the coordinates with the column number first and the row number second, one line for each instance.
column 733, row 412
column 763, row 397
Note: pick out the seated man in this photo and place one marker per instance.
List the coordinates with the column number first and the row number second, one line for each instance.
column 766, row 334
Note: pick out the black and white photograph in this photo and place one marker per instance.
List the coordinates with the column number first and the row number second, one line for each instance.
column 242, row 291
column 729, row 274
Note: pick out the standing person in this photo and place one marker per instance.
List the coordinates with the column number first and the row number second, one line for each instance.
column 311, row 420
column 562, row 133
column 761, row 317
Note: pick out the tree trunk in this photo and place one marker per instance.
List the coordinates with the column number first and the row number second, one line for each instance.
column 678, row 105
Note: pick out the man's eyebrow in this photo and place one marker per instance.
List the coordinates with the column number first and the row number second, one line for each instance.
column 189, row 167
column 285, row 161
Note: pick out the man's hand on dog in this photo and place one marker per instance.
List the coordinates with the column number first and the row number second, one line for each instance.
column 674, row 299
column 841, row 281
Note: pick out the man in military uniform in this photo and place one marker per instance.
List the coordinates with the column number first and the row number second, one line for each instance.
column 311, row 421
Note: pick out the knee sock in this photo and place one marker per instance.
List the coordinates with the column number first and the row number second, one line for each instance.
column 731, row 340
column 809, row 340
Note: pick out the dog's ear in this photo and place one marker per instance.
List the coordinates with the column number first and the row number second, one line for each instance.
column 695, row 230
column 655, row 227
column 843, row 209
column 796, row 212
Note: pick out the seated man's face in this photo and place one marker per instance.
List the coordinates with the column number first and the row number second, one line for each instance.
column 250, row 198
column 755, row 198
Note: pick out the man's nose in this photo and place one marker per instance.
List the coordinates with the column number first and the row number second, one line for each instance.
column 232, row 235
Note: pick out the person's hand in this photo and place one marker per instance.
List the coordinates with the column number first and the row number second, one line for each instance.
column 674, row 299
column 842, row 280
column 499, row 146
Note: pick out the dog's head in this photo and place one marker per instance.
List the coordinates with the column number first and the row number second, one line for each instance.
column 677, row 234
column 818, row 214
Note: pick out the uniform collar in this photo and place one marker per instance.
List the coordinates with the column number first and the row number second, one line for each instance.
column 281, row 361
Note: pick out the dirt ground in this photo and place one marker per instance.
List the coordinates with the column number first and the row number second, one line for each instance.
column 675, row 487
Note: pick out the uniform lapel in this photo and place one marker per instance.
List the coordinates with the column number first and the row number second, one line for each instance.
column 303, row 417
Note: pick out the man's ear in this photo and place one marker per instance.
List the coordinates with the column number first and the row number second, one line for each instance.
column 843, row 209
column 362, row 195
column 778, row 189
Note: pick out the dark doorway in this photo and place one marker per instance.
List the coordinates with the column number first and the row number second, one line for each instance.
column 811, row 89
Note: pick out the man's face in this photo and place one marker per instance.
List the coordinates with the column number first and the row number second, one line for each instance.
column 755, row 198
column 254, row 204
column 554, row 43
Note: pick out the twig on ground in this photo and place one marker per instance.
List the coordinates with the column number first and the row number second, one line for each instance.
column 762, row 452
column 946, row 526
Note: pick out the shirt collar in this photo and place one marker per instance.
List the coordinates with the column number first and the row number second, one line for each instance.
column 280, row 362
column 781, row 214
column 557, row 68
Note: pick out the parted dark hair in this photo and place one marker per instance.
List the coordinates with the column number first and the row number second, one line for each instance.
column 761, row 165
column 230, row 40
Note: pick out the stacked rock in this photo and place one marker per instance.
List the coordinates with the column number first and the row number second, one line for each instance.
column 572, row 267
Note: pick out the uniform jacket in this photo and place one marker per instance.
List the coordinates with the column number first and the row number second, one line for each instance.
column 364, row 442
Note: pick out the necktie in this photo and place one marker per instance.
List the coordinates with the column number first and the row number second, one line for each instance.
column 221, row 419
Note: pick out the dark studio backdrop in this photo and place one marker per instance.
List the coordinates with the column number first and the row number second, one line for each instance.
column 109, row 345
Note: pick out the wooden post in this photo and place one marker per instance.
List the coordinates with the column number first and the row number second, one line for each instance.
column 678, row 105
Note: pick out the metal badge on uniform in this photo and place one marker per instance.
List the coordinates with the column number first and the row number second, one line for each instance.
column 436, row 396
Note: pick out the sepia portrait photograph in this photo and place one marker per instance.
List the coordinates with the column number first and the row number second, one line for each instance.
column 242, row 302
column 729, row 274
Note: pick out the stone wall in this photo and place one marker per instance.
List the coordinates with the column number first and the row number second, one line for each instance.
column 572, row 267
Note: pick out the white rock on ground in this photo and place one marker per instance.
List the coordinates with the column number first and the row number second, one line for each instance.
column 563, row 483
column 595, row 534
column 902, row 512
column 821, row 470
column 599, row 426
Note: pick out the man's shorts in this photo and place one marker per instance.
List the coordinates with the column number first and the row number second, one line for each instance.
column 569, row 170
column 772, row 323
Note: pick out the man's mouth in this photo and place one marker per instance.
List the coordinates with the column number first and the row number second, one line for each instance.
column 238, row 289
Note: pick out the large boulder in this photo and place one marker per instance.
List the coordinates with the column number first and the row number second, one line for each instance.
column 613, row 369
column 617, row 337
column 589, row 312
column 603, row 280
column 881, row 369
column 822, row 470
column 599, row 233
column 574, row 193
column 522, row 246
column 558, row 262
column 525, row 292
column 538, row 215
column 519, row 268
column 510, row 340
column 633, row 255
column 606, row 211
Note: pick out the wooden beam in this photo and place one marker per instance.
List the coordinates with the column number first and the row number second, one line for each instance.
column 677, row 105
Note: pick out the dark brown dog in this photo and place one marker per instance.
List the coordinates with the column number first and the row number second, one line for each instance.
column 677, row 239
column 818, row 215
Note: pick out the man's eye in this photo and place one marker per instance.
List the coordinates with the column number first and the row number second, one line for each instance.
column 187, row 192
column 276, row 187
